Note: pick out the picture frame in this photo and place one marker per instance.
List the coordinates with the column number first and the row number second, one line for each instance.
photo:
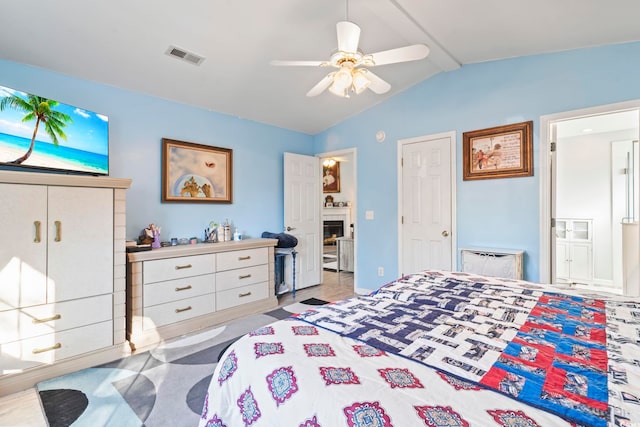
column 196, row 173
column 498, row 152
column 331, row 177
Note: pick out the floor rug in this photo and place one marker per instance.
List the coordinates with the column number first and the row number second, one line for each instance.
column 165, row 386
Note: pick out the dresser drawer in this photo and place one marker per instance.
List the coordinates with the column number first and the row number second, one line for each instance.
column 176, row 268
column 176, row 311
column 244, row 258
column 242, row 295
column 44, row 319
column 53, row 347
column 232, row 279
column 178, row 289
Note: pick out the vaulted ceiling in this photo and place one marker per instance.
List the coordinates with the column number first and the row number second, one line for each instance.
column 123, row 43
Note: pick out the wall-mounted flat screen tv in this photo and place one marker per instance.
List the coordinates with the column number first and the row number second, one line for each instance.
column 41, row 133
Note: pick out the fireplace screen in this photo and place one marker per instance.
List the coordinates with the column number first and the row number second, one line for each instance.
column 331, row 231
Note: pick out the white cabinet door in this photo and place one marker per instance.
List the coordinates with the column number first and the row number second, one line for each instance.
column 80, row 224
column 581, row 262
column 563, row 262
column 23, row 227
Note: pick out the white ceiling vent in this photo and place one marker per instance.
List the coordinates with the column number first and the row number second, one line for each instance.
column 182, row 54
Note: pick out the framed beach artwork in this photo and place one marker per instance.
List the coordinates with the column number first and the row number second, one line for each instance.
column 331, row 177
column 196, row 173
column 498, row 152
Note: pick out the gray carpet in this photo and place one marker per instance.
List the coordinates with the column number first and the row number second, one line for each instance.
column 165, row 386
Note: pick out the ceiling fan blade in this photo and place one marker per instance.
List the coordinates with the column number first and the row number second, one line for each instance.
column 401, row 54
column 297, row 63
column 322, row 85
column 348, row 36
column 377, row 85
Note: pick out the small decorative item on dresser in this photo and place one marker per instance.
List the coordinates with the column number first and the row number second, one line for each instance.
column 328, row 201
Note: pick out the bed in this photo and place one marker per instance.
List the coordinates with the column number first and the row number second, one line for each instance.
column 438, row 349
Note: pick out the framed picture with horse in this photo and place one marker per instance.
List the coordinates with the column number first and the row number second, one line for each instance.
column 196, row 173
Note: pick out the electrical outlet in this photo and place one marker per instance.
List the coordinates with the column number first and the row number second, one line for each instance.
column 380, row 271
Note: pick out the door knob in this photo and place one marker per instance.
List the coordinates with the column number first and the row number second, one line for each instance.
column 290, row 228
column 445, row 233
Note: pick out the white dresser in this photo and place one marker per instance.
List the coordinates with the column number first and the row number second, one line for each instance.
column 179, row 289
column 62, row 275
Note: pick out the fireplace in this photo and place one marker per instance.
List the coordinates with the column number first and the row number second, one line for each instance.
column 331, row 230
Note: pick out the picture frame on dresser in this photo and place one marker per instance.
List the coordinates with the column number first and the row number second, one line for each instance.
column 196, row 173
column 498, row 152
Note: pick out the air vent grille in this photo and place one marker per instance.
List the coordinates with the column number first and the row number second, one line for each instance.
column 184, row 55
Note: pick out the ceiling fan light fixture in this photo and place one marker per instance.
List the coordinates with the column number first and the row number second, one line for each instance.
column 360, row 81
column 342, row 79
column 339, row 91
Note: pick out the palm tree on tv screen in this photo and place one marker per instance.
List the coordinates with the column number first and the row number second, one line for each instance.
column 42, row 110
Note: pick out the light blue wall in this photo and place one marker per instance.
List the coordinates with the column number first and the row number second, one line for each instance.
column 137, row 124
column 496, row 213
column 500, row 213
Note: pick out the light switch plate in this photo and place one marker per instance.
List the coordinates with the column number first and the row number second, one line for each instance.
column 368, row 215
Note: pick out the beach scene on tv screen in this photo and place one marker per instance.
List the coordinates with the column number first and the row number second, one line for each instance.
column 44, row 133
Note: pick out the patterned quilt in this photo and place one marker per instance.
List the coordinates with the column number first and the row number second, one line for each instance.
column 440, row 349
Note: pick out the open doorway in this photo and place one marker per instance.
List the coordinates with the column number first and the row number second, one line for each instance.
column 338, row 216
column 589, row 175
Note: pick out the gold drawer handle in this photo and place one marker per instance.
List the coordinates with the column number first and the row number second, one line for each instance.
column 246, row 276
column 58, row 237
column 184, row 288
column 48, row 319
column 180, row 310
column 181, row 267
column 244, row 295
column 42, row 350
column 244, row 258
column 37, row 238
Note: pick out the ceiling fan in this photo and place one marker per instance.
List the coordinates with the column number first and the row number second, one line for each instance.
column 352, row 74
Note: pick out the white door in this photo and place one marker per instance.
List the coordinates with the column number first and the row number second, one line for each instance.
column 302, row 215
column 426, row 208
